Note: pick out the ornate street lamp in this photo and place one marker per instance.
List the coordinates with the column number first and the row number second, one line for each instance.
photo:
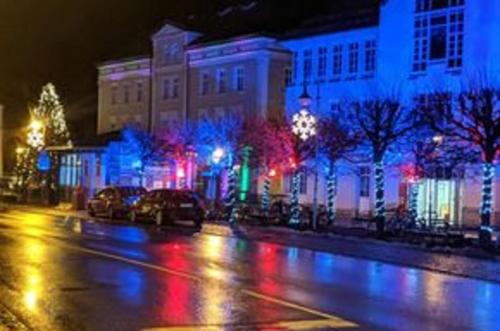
column 304, row 126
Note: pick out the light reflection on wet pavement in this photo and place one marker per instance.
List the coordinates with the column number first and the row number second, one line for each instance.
column 67, row 274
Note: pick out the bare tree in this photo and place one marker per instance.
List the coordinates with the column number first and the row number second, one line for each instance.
column 338, row 141
column 224, row 136
column 146, row 148
column 270, row 144
column 472, row 116
column 383, row 122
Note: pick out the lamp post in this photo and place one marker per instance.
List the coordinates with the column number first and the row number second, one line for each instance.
column 305, row 128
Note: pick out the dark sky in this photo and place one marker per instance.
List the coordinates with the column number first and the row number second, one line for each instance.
column 62, row 40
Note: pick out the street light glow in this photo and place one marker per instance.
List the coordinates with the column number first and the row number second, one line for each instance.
column 217, row 155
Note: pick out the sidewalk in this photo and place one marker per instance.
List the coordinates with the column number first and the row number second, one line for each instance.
column 467, row 262
column 471, row 264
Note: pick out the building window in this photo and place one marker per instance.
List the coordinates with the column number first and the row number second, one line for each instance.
column 221, row 81
column 364, row 181
column 337, row 61
column 456, row 39
column 114, row 94
column 370, row 55
column 438, row 33
column 295, row 66
column 166, row 89
column 239, row 79
column 420, row 44
column 140, row 91
column 322, row 53
column 126, row 94
column 175, row 88
column 288, row 77
column 353, row 58
column 307, row 65
column 171, row 52
column 204, row 83
column 438, row 38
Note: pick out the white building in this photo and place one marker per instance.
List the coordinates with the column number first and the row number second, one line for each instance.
column 415, row 47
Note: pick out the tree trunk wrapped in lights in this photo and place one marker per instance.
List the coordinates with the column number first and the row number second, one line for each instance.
column 413, row 205
column 295, row 199
column 473, row 117
column 383, row 122
column 379, row 192
column 331, row 195
column 266, row 193
column 487, row 194
column 230, row 204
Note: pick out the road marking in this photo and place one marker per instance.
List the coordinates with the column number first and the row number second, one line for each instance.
column 285, row 325
column 331, row 320
column 295, row 306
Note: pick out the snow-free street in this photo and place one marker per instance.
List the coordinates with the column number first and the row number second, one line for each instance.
column 60, row 273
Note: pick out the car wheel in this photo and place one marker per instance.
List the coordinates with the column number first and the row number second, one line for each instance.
column 91, row 211
column 111, row 213
column 159, row 218
column 198, row 223
column 133, row 217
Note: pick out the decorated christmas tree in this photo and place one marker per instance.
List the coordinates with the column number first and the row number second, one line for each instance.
column 47, row 128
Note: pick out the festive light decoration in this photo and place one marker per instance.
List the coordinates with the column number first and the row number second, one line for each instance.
column 304, row 125
column 47, row 128
column 413, row 204
column 487, row 193
column 379, row 190
column 266, row 195
column 217, row 155
column 231, row 197
column 295, row 205
column 331, row 194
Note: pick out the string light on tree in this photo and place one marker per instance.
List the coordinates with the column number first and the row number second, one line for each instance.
column 487, row 192
column 379, row 190
column 331, row 194
column 295, row 203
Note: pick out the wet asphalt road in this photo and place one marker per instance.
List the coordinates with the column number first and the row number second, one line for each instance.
column 61, row 273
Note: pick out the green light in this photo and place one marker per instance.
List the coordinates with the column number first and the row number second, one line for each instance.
column 245, row 176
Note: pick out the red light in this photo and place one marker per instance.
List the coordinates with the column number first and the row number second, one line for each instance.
column 272, row 173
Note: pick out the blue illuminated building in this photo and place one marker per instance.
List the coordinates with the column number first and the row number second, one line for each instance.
column 412, row 47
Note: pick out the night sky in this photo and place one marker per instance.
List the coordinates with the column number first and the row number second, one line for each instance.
column 62, row 40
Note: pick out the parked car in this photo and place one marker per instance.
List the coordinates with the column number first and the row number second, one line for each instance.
column 167, row 206
column 114, row 201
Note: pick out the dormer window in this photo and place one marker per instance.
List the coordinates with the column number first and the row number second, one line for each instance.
column 172, row 52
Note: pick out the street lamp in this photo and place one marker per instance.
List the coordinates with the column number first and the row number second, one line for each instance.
column 304, row 126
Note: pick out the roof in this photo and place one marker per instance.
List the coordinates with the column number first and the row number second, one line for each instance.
column 124, row 60
column 345, row 21
column 212, row 40
column 101, row 140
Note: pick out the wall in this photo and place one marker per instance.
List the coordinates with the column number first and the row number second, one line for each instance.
column 115, row 112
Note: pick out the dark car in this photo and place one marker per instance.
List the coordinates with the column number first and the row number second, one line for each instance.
column 167, row 206
column 115, row 200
